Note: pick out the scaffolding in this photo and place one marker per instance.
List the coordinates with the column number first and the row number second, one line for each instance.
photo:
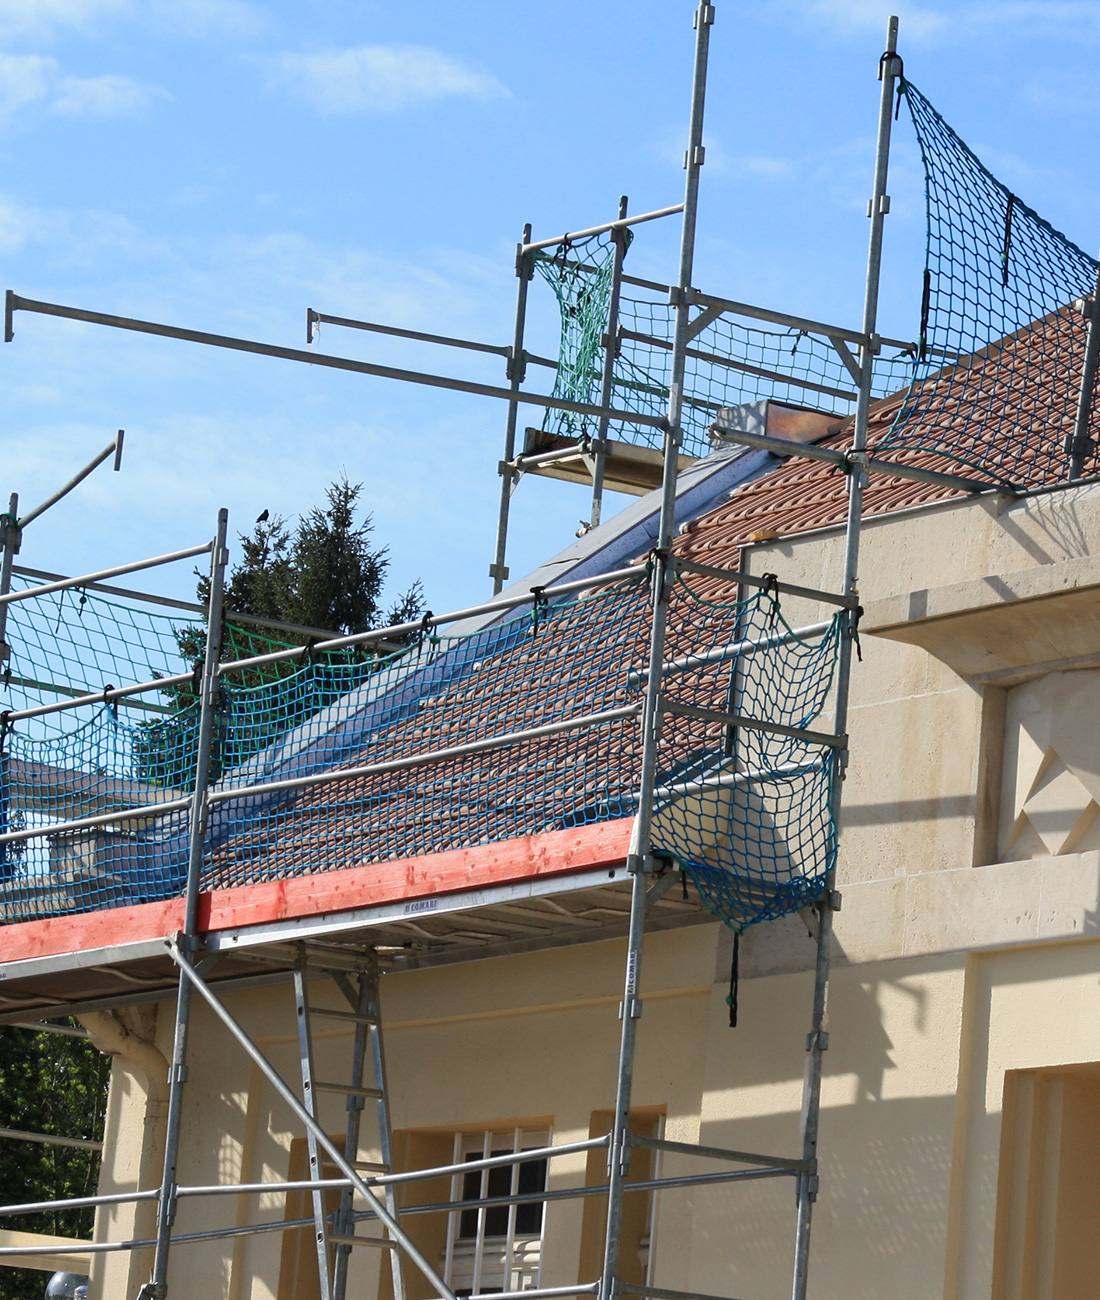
column 700, row 722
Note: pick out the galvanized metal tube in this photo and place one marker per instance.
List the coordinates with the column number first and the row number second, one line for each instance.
column 619, row 1152
column 431, row 756
column 142, row 1243
column 889, row 71
column 385, row 1132
column 618, row 224
column 166, row 1209
column 101, row 819
column 62, row 584
column 192, row 977
column 752, row 580
column 517, row 370
column 263, row 1189
column 574, row 452
column 18, row 303
column 601, row 1189
column 728, row 779
column 607, row 379
column 100, row 697
column 1078, row 444
column 9, row 539
column 712, row 358
column 444, row 340
column 633, row 574
column 714, row 1153
column 110, row 450
column 491, row 1162
column 732, row 651
column 753, row 724
column 50, row 1139
column 231, row 615
column 78, row 1203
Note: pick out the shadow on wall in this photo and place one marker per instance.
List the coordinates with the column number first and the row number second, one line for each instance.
column 880, row 1222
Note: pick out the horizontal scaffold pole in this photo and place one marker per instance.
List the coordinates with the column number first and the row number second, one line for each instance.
column 724, row 780
column 768, row 584
column 143, row 813
column 62, row 584
column 419, row 336
column 17, row 303
column 50, row 1139
column 636, row 573
column 754, row 1174
column 635, row 676
column 731, row 363
column 845, row 461
column 753, row 724
column 430, row 756
column 188, row 606
column 619, row 224
column 80, row 699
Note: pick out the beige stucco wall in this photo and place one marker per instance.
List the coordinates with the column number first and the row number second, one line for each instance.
column 952, row 968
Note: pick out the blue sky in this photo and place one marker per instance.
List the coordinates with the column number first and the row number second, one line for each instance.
column 225, row 164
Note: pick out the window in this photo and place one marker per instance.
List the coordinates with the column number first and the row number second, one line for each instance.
column 480, row 1250
column 498, row 1247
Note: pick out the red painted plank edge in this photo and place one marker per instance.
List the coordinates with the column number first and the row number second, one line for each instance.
column 602, row 844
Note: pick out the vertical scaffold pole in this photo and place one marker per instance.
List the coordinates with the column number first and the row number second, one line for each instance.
column 817, row 1040
column 610, row 353
column 9, row 541
column 157, row 1289
column 517, row 369
column 638, row 859
column 1078, row 446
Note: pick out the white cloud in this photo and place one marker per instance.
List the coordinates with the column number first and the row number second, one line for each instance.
column 34, row 78
column 1071, row 20
column 378, row 78
column 917, row 22
column 201, row 18
column 42, row 19
column 105, row 96
column 24, row 78
column 39, row 19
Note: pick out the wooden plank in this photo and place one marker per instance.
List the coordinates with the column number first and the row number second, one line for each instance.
column 552, row 853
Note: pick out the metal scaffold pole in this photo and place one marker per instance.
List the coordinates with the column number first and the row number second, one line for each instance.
column 817, row 1040
column 638, row 860
column 1078, row 445
column 517, row 370
column 157, row 1287
column 610, row 353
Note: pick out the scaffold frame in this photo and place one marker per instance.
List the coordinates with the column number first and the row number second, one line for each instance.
column 195, row 952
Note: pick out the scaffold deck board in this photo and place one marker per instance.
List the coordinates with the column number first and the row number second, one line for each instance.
column 541, row 891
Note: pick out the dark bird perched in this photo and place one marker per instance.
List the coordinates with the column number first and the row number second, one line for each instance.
column 262, row 519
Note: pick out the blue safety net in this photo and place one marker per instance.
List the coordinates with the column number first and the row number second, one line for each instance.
column 746, row 812
column 997, row 376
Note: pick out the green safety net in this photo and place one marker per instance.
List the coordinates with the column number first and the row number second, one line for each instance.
column 580, row 273
column 730, row 362
column 746, row 813
column 997, row 376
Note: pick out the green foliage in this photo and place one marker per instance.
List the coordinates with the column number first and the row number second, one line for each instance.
column 324, row 573
column 49, row 1083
